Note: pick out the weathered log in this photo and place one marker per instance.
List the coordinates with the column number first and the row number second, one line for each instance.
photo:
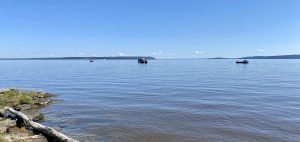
column 46, row 131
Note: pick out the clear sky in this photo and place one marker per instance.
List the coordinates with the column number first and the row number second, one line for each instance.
column 160, row 28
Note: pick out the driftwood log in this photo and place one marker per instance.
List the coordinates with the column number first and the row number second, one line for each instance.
column 37, row 127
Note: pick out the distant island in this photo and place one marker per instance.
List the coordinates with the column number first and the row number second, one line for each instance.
column 221, row 58
column 84, row 58
column 273, row 57
column 265, row 57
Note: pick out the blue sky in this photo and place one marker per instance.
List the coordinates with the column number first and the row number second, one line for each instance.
column 160, row 28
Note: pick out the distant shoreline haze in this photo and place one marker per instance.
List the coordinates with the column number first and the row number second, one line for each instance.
column 273, row 57
column 295, row 56
column 84, row 58
column 265, row 57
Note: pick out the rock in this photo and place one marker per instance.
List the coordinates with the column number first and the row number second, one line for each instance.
column 21, row 134
column 34, row 115
column 38, row 138
column 23, row 107
column 39, row 117
column 24, row 138
column 57, row 129
column 44, row 95
column 2, row 113
column 43, row 102
column 5, row 124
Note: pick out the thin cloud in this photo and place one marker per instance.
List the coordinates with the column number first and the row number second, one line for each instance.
column 260, row 50
column 198, row 52
column 123, row 54
column 81, row 53
column 157, row 53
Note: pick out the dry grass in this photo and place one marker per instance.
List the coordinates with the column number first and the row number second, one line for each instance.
column 1, row 138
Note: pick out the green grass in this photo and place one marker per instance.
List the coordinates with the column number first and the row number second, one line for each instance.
column 14, row 97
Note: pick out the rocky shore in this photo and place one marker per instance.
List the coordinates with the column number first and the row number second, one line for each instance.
column 27, row 102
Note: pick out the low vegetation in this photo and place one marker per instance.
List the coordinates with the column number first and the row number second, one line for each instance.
column 27, row 102
column 14, row 97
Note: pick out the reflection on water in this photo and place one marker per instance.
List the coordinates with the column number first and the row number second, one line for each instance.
column 167, row 100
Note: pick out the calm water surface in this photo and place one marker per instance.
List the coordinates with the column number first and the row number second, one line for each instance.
column 167, row 100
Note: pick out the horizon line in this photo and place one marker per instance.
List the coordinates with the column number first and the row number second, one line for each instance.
column 131, row 57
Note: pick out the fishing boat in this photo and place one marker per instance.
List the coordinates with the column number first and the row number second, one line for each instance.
column 242, row 62
column 142, row 61
column 91, row 60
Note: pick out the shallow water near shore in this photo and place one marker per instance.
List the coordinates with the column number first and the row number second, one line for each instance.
column 166, row 100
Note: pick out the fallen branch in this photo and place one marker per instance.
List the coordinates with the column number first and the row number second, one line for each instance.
column 46, row 131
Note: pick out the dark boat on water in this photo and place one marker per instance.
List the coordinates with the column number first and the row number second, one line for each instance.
column 142, row 61
column 91, row 60
column 242, row 62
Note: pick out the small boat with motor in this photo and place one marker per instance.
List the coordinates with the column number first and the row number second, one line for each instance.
column 242, row 62
column 142, row 61
column 91, row 61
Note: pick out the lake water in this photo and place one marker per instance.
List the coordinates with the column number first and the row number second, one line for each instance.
column 166, row 100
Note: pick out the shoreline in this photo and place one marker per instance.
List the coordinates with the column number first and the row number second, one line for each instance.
column 26, row 102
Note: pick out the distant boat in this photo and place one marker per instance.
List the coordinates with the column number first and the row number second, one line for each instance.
column 142, row 61
column 242, row 62
column 91, row 60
